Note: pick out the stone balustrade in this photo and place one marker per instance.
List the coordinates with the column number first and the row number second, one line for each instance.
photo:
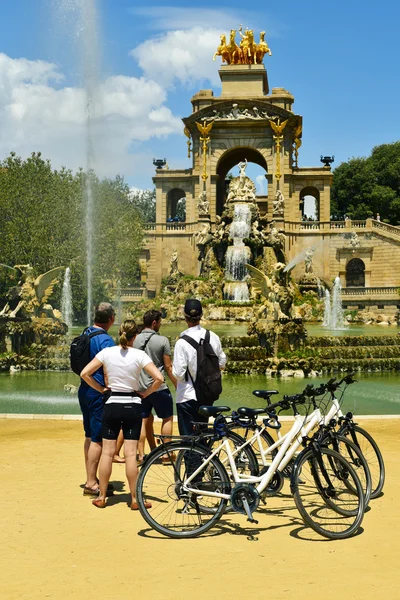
column 175, row 226
column 391, row 229
column 371, row 292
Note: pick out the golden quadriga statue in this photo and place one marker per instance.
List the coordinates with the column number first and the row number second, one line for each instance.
column 248, row 52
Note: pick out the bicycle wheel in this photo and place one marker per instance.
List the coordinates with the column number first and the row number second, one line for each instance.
column 371, row 453
column 174, row 511
column 322, row 496
column 356, row 459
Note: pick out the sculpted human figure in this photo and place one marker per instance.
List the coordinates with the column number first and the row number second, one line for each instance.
column 278, row 203
column 308, row 260
column 242, row 169
column 203, row 204
column 174, row 263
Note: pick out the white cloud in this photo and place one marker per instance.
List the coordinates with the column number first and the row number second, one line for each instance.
column 174, row 17
column 261, row 185
column 37, row 114
column 180, row 56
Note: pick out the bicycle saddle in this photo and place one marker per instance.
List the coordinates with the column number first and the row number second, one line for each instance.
column 250, row 412
column 264, row 393
column 212, row 411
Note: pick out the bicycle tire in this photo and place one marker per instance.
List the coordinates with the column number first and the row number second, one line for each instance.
column 372, row 455
column 356, row 459
column 158, row 481
column 310, row 496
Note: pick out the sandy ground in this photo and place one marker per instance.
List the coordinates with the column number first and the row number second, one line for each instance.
column 55, row 544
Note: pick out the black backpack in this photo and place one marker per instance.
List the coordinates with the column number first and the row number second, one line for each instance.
column 79, row 352
column 208, row 384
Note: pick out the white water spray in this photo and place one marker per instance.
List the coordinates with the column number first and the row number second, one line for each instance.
column 80, row 16
column 66, row 299
column 333, row 312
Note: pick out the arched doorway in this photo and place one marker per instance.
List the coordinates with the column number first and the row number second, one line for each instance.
column 309, row 204
column 176, row 205
column 355, row 273
column 229, row 160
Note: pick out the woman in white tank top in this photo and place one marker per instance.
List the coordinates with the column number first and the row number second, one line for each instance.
column 123, row 407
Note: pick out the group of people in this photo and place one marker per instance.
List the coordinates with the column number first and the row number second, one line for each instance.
column 122, row 385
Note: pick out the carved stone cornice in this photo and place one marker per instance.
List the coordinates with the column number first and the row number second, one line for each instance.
column 231, row 113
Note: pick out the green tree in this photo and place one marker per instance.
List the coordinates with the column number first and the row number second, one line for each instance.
column 145, row 203
column 44, row 223
column 363, row 187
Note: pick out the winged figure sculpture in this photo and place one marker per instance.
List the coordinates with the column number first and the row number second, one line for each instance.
column 30, row 296
column 269, row 289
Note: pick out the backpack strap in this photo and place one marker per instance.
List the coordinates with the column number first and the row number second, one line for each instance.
column 94, row 333
column 147, row 341
column 190, row 340
column 194, row 345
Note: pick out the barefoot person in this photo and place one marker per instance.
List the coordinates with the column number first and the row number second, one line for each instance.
column 123, row 409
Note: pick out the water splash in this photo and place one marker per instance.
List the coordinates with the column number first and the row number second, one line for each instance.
column 327, row 310
column 66, row 299
column 333, row 312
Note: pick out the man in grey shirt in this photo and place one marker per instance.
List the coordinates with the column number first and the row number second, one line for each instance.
column 157, row 347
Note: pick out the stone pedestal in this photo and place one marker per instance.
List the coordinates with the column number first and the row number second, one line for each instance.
column 243, row 81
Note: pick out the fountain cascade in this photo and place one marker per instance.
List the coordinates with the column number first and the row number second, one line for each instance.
column 238, row 255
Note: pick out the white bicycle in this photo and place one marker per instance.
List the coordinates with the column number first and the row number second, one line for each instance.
column 188, row 502
column 265, row 447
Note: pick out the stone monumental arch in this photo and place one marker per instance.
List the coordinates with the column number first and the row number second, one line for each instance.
column 248, row 122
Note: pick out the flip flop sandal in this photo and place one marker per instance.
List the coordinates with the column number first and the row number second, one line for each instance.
column 135, row 506
column 99, row 503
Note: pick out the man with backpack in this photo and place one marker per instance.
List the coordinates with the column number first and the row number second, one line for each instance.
column 83, row 350
column 198, row 361
column 157, row 347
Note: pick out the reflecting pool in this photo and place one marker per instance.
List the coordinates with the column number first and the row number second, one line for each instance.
column 43, row 392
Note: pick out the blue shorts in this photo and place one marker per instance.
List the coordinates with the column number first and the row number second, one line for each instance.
column 92, row 407
column 162, row 403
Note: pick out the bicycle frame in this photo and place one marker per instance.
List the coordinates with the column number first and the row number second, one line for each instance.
column 263, row 480
column 312, row 420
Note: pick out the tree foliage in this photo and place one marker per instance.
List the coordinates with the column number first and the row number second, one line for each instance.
column 145, row 203
column 43, row 222
column 363, row 187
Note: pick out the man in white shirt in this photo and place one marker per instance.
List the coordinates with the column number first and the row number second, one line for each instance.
column 185, row 366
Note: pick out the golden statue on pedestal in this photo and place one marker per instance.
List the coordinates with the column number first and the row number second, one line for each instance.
column 248, row 53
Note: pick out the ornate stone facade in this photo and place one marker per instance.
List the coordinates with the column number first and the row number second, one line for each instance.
column 249, row 124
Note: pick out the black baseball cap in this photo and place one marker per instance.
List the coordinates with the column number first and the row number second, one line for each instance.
column 193, row 309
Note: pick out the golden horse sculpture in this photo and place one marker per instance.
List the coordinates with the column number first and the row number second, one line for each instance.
column 247, row 53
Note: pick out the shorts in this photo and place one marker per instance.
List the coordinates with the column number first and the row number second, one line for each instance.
column 117, row 416
column 92, row 406
column 162, row 403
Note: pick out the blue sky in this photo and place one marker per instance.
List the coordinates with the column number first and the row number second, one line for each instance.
column 339, row 59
